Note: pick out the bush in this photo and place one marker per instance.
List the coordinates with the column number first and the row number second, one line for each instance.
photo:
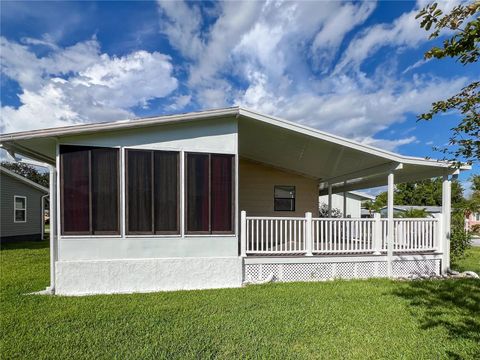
column 460, row 241
column 475, row 229
column 323, row 212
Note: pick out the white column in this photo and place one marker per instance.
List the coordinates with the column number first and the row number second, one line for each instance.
column 446, row 212
column 344, row 204
column 53, row 225
column 329, row 200
column 308, row 233
column 390, row 223
column 377, row 234
column 243, row 233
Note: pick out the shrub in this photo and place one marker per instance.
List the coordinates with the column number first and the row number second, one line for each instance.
column 460, row 241
column 323, row 211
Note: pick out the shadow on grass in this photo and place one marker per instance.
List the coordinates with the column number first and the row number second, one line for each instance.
column 15, row 245
column 453, row 305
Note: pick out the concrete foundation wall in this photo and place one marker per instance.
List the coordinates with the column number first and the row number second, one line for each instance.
column 145, row 275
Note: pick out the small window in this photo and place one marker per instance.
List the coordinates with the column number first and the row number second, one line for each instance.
column 20, row 209
column 284, row 198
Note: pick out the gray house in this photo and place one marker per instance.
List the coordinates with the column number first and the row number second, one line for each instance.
column 21, row 207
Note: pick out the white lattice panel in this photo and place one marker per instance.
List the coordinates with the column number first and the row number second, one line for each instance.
column 404, row 268
column 345, row 270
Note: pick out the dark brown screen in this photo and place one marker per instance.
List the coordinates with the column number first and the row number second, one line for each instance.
column 221, row 193
column 75, row 182
column 105, row 190
column 166, row 191
column 139, row 184
column 198, row 214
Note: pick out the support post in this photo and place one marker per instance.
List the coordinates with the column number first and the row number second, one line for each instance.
column 377, row 234
column 344, row 202
column 308, row 233
column 446, row 212
column 439, row 232
column 390, row 237
column 243, row 233
column 329, row 200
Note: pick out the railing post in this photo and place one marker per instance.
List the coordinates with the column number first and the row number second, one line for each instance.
column 308, row 233
column 243, row 233
column 439, row 233
column 377, row 234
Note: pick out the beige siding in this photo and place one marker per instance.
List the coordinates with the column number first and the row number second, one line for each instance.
column 256, row 182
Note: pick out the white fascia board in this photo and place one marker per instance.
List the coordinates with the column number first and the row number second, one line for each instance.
column 120, row 125
column 23, row 179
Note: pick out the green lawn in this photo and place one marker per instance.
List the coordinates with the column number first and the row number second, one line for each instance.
column 340, row 319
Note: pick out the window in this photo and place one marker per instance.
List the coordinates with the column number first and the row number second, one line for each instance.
column 284, row 198
column 19, row 209
column 210, row 193
column 89, row 190
column 152, row 192
column 477, row 217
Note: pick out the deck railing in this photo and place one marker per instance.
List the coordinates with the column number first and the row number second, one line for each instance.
column 262, row 235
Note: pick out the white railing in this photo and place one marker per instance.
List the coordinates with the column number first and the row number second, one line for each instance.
column 343, row 235
column 279, row 235
column 308, row 236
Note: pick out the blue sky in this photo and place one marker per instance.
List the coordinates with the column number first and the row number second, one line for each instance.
column 355, row 69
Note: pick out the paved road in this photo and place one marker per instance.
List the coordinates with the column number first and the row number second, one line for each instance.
column 476, row 241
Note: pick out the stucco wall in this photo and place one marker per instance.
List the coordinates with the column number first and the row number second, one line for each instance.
column 142, row 275
column 9, row 187
column 256, row 186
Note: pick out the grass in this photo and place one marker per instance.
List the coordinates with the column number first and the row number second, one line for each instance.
column 340, row 319
column 470, row 262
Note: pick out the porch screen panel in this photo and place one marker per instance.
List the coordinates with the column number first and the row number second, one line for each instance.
column 139, row 183
column 75, row 183
column 165, row 196
column 198, row 206
column 222, row 192
column 105, row 191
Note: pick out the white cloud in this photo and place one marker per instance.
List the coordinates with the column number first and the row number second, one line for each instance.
column 404, row 31
column 80, row 84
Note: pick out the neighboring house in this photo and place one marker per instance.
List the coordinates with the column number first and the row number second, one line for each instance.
column 472, row 220
column 398, row 209
column 204, row 199
column 349, row 203
column 21, row 207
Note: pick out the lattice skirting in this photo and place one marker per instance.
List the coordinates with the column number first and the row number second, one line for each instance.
column 343, row 270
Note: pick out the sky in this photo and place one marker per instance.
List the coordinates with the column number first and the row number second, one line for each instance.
column 354, row 69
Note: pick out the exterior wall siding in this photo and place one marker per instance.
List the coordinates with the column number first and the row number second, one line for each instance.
column 9, row 187
column 256, row 186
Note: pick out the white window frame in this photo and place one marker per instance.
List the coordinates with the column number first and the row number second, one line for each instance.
column 15, row 208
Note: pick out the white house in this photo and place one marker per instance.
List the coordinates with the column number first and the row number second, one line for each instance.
column 349, row 202
column 215, row 198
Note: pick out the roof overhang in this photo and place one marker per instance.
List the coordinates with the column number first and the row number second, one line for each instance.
column 345, row 164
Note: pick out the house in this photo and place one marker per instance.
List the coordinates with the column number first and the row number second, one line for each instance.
column 21, row 207
column 472, row 222
column 349, row 203
column 216, row 198
column 399, row 209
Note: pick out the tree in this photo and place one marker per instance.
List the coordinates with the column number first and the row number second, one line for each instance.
column 27, row 171
column 413, row 213
column 464, row 24
column 421, row 193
